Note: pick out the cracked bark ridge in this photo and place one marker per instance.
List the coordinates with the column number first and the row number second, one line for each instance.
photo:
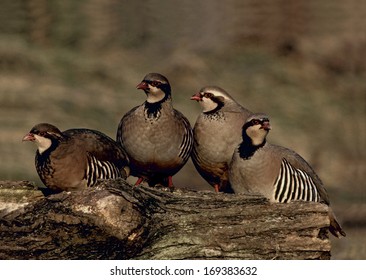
column 118, row 221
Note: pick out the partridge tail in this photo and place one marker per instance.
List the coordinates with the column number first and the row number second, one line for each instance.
column 334, row 226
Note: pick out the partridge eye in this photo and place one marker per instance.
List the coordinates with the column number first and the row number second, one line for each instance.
column 155, row 84
column 208, row 94
column 42, row 133
column 255, row 122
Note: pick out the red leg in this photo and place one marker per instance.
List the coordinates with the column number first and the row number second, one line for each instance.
column 217, row 187
column 170, row 182
column 139, row 181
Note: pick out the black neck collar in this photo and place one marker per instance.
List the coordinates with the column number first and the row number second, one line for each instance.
column 247, row 149
column 219, row 103
column 153, row 109
column 54, row 144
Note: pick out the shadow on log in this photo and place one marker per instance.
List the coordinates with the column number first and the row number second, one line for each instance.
column 117, row 221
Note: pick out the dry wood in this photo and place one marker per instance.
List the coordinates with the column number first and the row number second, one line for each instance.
column 118, row 221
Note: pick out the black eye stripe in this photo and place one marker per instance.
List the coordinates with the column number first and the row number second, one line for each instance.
column 155, row 83
column 208, row 94
column 259, row 121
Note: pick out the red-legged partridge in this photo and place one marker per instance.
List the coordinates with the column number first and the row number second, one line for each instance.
column 75, row 158
column 277, row 173
column 217, row 132
column 157, row 138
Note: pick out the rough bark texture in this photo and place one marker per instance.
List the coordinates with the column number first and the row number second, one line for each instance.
column 117, row 221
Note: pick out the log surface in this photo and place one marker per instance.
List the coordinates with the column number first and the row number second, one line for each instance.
column 118, row 221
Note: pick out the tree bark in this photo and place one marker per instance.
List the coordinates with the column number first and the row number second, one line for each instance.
column 117, row 221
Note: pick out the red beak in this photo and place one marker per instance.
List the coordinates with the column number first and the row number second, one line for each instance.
column 266, row 126
column 142, row 85
column 29, row 137
column 196, row 97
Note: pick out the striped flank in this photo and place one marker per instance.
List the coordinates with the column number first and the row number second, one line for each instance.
column 100, row 170
column 187, row 143
column 294, row 184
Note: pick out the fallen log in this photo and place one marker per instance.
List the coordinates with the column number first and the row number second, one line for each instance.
column 117, row 221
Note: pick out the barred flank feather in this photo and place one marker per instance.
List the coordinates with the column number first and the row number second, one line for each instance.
column 100, row 170
column 187, row 143
column 294, row 184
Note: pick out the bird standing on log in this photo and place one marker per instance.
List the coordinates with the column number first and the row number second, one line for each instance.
column 157, row 138
column 217, row 132
column 75, row 158
column 277, row 173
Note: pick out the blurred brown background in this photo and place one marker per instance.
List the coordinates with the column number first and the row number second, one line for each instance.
column 77, row 63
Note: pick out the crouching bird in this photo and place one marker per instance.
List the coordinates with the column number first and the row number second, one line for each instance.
column 157, row 138
column 277, row 173
column 75, row 158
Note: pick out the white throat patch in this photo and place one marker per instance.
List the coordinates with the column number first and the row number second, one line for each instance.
column 256, row 134
column 155, row 95
column 42, row 143
column 207, row 104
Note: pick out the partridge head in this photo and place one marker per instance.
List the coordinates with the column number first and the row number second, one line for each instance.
column 156, row 87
